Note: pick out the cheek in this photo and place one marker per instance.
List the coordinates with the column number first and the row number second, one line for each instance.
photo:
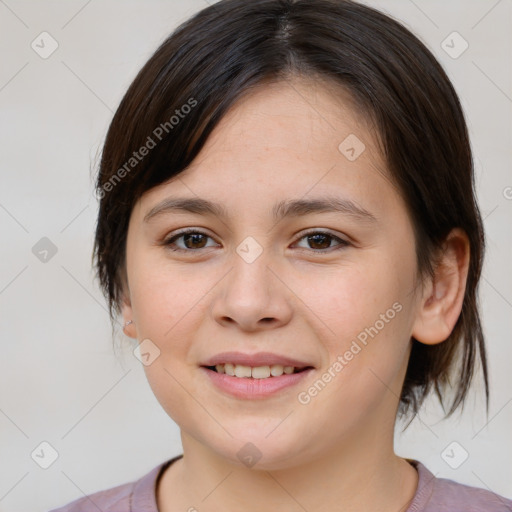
column 352, row 299
column 166, row 296
column 369, row 312
column 168, row 307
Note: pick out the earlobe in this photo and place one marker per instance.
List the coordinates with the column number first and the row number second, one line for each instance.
column 443, row 295
column 129, row 327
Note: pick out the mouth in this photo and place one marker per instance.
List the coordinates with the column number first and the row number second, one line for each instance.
column 244, row 382
column 256, row 372
column 260, row 375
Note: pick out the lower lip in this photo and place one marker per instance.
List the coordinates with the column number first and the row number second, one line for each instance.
column 249, row 388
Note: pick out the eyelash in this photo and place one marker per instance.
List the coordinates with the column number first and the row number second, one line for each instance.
column 170, row 241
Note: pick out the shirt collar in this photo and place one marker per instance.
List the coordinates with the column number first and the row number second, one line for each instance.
column 143, row 498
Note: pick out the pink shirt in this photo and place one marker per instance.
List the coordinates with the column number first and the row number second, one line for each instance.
column 432, row 495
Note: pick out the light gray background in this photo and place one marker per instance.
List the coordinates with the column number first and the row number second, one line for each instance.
column 60, row 379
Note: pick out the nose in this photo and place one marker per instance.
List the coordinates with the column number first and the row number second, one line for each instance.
column 253, row 296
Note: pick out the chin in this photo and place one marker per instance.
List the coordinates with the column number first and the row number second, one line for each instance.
column 258, row 452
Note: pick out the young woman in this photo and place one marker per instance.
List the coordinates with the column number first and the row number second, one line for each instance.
column 288, row 227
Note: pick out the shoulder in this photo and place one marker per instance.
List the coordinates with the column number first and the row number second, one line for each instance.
column 117, row 498
column 122, row 498
column 445, row 495
column 452, row 494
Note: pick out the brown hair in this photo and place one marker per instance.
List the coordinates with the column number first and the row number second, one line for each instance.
column 211, row 60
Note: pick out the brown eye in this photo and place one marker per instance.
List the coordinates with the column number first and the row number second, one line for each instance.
column 192, row 240
column 320, row 241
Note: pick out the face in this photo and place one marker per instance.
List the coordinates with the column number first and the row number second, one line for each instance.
column 328, row 290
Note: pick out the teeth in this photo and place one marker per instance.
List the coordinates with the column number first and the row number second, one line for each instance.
column 229, row 369
column 256, row 372
column 260, row 372
column 242, row 371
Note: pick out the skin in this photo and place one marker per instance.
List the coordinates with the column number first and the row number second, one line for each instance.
column 309, row 301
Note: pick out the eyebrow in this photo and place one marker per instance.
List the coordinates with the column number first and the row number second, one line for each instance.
column 282, row 209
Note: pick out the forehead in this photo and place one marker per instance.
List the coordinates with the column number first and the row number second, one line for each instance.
column 285, row 139
column 285, row 112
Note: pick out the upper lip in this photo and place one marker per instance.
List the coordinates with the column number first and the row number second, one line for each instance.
column 253, row 360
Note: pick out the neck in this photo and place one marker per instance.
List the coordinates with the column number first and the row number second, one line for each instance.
column 356, row 476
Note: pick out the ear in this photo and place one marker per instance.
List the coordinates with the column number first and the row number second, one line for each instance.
column 442, row 297
column 126, row 309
